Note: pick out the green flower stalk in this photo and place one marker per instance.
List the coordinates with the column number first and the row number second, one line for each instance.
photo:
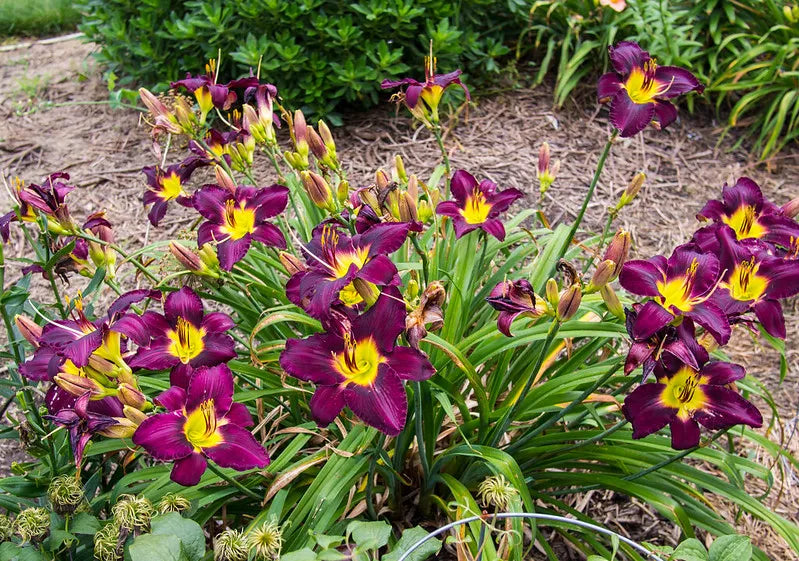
column 65, row 494
column 231, row 545
column 172, row 502
column 133, row 513
column 32, row 524
column 266, row 541
column 107, row 546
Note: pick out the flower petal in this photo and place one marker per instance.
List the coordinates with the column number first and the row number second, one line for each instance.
column 652, row 317
column 238, row 450
column 645, row 410
column 382, row 239
column 495, row 228
column 154, row 357
column 461, row 185
column 186, row 304
column 217, row 322
column 189, row 470
column 239, row 415
column 269, row 235
column 630, row 117
column 383, row 404
column 326, row 404
column 410, row 364
column 710, row 316
column 383, row 322
column 722, row 373
column 680, row 81
column 173, row 399
column 162, row 436
column 641, row 277
column 448, row 208
column 379, row 270
column 210, row 202
column 607, row 86
column 211, row 383
column 626, row 55
column 271, row 201
column 769, row 314
column 219, row 348
column 310, row 359
column 725, row 407
column 665, row 113
column 503, row 199
column 684, row 433
column 230, row 251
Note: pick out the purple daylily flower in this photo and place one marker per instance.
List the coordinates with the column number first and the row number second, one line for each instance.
column 235, row 219
column 201, row 423
column 681, row 285
column 688, row 397
column 221, row 96
column 515, row 299
column 184, row 338
column 357, row 364
column 165, row 185
column 477, row 205
column 429, row 92
column 335, row 261
column 639, row 89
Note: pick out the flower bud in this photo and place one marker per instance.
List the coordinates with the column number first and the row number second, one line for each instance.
column 407, row 208
column 343, row 191
column 791, row 208
column 603, row 274
column 368, row 197
column 210, row 260
column 411, row 289
column 133, row 513
column 186, row 257
column 108, row 544
column 131, row 396
column 172, row 502
column 32, row 524
column 570, row 302
column 29, row 329
column 413, row 187
column 223, row 179
column 266, row 541
column 231, row 545
column 318, row 190
column 185, row 117
column 153, row 104
column 399, row 165
column 546, row 173
column 78, row 384
column 134, row 414
column 551, row 292
column 65, row 494
column 382, row 181
column 300, row 134
column 612, row 301
column 368, row 291
column 317, row 145
column 291, row 263
column 497, row 491
column 124, row 428
column 632, row 190
column 425, row 211
column 327, row 138
column 618, row 250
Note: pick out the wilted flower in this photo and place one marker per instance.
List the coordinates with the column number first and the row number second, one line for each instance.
column 165, row 185
column 234, row 220
column 515, row 299
column 65, row 493
column 32, row 524
column 133, row 513
column 266, row 541
column 356, row 364
column 81, row 424
column 678, row 343
column 185, row 337
column 427, row 313
column 477, row 205
column 231, row 545
column 639, row 89
column 201, row 423
column 687, row 397
column 497, row 491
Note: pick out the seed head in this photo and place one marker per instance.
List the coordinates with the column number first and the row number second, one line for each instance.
column 107, row 546
column 497, row 491
column 231, row 545
column 266, row 541
column 32, row 524
column 173, row 503
column 65, row 493
column 133, row 513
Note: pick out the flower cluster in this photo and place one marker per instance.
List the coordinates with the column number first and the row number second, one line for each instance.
column 733, row 271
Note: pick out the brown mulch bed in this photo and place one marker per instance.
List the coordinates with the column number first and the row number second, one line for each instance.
column 46, row 126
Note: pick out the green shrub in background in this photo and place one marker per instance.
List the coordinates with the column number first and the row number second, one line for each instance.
column 321, row 53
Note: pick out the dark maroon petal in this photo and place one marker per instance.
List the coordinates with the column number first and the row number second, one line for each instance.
column 641, row 277
column 607, row 86
column 504, row 321
column 644, row 409
column 239, row 415
column 185, row 304
column 630, row 117
column 503, row 199
column 210, row 202
column 665, row 113
column 495, row 228
column 383, row 404
column 326, row 403
column 707, row 269
column 651, row 318
column 684, row 433
column 190, row 83
column 679, row 79
column 713, row 210
column 238, row 450
column 180, row 375
column 782, row 275
column 683, row 353
column 230, row 251
column 382, row 239
column 157, row 324
column 217, row 322
column 462, row 185
column 388, row 84
column 745, row 192
column 162, row 436
column 769, row 314
column 293, row 289
column 42, row 366
column 157, row 211
column 107, row 407
column 270, row 235
column 219, row 348
column 172, row 399
column 310, row 359
column 211, row 383
column 448, row 208
column 379, row 270
column 134, row 328
column 208, row 232
column 781, row 230
column 725, row 407
column 722, row 373
column 270, row 201
column 125, row 301
column 383, row 322
column 80, row 350
column 319, row 292
column 710, row 316
column 189, row 470
column 410, row 364
column 626, row 55
column 462, row 227
column 154, row 357
column 638, row 353
column 412, row 95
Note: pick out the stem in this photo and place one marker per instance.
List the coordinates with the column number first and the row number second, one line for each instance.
column 370, row 507
column 417, row 397
column 125, row 257
column 423, row 255
column 608, row 222
column 239, row 486
column 12, row 340
column 589, row 195
column 502, row 426
column 444, row 155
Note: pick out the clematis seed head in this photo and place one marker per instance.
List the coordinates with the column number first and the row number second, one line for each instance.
column 266, row 541
column 172, row 502
column 133, row 513
column 108, row 545
column 6, row 528
column 497, row 491
column 231, row 545
column 32, row 524
column 65, row 494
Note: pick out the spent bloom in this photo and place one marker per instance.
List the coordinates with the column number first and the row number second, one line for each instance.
column 235, row 219
column 477, row 205
column 638, row 89
column 202, row 422
column 65, row 493
column 231, row 545
column 515, row 299
column 677, row 343
column 358, row 364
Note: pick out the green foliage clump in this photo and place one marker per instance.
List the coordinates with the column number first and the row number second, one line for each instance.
column 320, row 53
column 38, row 17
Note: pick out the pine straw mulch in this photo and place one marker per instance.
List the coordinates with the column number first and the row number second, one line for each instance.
column 46, row 126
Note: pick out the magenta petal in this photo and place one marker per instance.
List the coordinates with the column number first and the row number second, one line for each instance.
column 319, row 292
column 722, row 373
column 503, row 199
column 707, row 268
column 271, row 201
column 154, row 357
column 680, row 81
column 383, row 404
column 725, row 408
column 217, row 322
column 641, row 277
column 462, row 227
column 238, row 450
column 310, row 360
column 665, row 113
column 186, row 304
column 630, row 117
column 42, row 366
column 172, row 399
column 239, row 415
column 134, row 328
column 383, row 322
column 208, row 232
column 448, row 208
column 783, row 277
column 80, row 350
column 180, row 375
column 382, row 239
column 652, row 317
column 410, row 364
column 645, row 410
column 684, row 433
column 495, row 228
column 157, row 212
column 131, row 297
column 219, row 348
column 626, row 55
column 211, row 383
column 412, row 95
column 607, row 86
column 230, row 251
column 461, row 185
column 269, row 235
column 710, row 316
column 379, row 270
column 638, row 353
column 210, row 201
column 769, row 314
column 326, row 403
column 162, row 436
column 189, row 470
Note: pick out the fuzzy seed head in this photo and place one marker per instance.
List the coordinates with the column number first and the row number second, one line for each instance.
column 106, row 543
column 65, row 493
column 133, row 513
column 231, row 545
column 266, row 541
column 6, row 528
column 172, row 502
column 497, row 491
column 32, row 524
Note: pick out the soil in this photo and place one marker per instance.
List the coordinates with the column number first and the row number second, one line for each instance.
column 53, row 117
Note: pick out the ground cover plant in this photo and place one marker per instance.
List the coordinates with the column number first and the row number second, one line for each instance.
column 506, row 420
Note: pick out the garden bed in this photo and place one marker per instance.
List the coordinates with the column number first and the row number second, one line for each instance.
column 46, row 126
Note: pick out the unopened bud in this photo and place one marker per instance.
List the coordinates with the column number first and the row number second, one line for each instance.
column 223, row 179
column 29, row 329
column 153, row 104
column 603, row 274
column 368, row 291
column 551, row 292
column 318, row 190
column 343, row 191
column 65, row 493
column 612, row 301
column 412, row 289
column 546, row 173
column 291, row 263
column 300, row 134
column 131, row 396
column 368, row 197
column 413, row 187
column 78, row 385
column 789, row 13
column 791, row 208
column 185, row 116
column 618, row 250
column 32, row 524
column 186, row 257
column 208, row 256
column 425, row 211
column 407, row 208
column 632, row 190
column 317, row 145
column 399, row 165
column 327, row 137
column 381, row 180
column 570, row 302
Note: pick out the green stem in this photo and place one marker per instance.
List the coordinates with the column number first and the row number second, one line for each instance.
column 417, row 397
column 608, row 222
column 444, row 155
column 125, row 257
column 370, row 507
column 239, row 486
column 423, row 256
column 502, row 426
